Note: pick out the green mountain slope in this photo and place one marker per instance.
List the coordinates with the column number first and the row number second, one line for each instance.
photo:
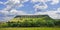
column 31, row 21
column 31, row 17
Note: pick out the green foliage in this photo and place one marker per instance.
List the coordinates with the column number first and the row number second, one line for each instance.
column 31, row 22
column 57, row 23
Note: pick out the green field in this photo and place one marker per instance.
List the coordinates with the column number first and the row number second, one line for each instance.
column 32, row 28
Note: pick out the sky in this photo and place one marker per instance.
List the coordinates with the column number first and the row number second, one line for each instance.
column 11, row 8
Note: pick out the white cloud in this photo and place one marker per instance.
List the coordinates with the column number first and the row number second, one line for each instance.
column 34, row 1
column 10, row 4
column 13, row 12
column 15, row 1
column 5, row 19
column 18, row 5
column 17, row 12
column 54, row 2
column 21, row 13
column 41, row 13
column 52, row 14
column 41, row 7
column 58, row 9
column 6, row 16
column 22, row 1
column 1, row 2
column 4, row 12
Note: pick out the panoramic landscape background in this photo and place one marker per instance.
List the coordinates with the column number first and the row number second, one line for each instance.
column 29, row 14
column 31, row 22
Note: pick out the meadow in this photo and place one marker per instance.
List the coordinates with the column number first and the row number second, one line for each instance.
column 31, row 28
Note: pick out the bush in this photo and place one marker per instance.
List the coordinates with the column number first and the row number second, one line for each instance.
column 32, row 23
column 57, row 23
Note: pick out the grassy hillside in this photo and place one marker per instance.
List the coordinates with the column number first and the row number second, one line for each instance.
column 40, row 17
column 33, row 21
column 32, row 28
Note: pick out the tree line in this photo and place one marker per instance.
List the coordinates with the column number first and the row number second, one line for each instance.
column 32, row 23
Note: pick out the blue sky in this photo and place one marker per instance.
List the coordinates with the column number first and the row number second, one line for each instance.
column 29, row 7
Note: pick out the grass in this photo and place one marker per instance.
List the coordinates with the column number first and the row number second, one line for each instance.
column 32, row 28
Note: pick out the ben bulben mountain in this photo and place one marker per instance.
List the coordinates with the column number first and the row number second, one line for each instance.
column 34, row 16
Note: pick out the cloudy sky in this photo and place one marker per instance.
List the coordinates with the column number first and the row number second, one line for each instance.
column 11, row 8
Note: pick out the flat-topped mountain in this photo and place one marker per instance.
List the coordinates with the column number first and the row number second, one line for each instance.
column 31, row 16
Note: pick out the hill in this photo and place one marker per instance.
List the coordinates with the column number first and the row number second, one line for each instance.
column 31, row 21
column 31, row 17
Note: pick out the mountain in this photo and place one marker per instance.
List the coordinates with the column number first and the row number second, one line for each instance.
column 31, row 17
